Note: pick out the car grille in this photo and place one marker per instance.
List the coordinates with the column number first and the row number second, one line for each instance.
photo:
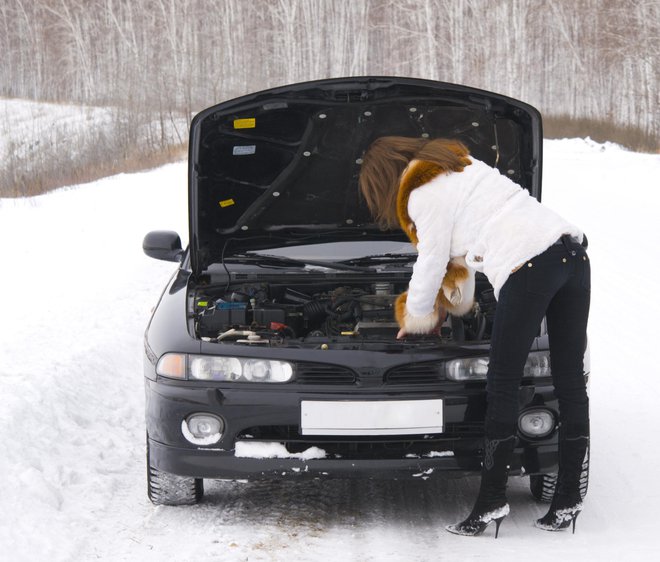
column 321, row 373
column 291, row 433
column 411, row 374
column 415, row 373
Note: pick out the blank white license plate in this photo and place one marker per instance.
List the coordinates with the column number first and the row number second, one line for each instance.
column 384, row 417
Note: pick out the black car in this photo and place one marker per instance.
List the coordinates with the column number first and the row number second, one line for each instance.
column 272, row 352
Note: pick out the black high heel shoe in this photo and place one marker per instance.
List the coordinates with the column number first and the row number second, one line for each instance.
column 491, row 504
column 559, row 519
column 476, row 523
column 567, row 501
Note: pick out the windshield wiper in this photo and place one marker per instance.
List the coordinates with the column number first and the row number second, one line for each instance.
column 269, row 259
column 383, row 258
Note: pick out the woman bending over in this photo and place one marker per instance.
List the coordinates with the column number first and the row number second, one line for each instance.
column 463, row 216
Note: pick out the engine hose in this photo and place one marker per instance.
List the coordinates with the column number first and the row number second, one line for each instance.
column 315, row 310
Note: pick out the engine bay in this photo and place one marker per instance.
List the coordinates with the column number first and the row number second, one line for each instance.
column 277, row 313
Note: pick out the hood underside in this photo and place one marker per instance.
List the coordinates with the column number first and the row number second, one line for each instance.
column 281, row 167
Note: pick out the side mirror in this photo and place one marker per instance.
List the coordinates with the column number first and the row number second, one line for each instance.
column 163, row 245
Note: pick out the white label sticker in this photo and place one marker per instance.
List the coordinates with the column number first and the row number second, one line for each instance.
column 244, row 150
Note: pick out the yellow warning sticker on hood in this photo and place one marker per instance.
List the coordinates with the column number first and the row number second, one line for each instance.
column 250, row 123
column 227, row 203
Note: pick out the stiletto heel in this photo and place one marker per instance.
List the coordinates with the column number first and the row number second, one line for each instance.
column 491, row 504
column 559, row 519
column 567, row 501
column 498, row 522
column 476, row 523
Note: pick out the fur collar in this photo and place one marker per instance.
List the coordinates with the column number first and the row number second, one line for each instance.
column 416, row 173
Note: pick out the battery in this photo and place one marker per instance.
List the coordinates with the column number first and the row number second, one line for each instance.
column 264, row 316
column 230, row 313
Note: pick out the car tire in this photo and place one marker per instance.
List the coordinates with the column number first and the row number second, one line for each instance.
column 165, row 488
column 543, row 486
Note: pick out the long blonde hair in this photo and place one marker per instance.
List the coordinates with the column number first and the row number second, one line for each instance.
column 386, row 159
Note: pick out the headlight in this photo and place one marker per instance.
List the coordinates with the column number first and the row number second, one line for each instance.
column 214, row 368
column 471, row 369
column 537, row 364
column 476, row 368
column 260, row 370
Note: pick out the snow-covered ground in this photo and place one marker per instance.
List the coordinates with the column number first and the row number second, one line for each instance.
column 29, row 126
column 75, row 296
column 25, row 124
column 32, row 134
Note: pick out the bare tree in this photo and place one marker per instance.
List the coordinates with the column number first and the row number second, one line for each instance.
column 157, row 60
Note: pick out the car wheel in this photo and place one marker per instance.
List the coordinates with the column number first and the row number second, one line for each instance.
column 543, row 486
column 165, row 488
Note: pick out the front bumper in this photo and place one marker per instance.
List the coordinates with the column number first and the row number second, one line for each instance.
column 263, row 414
column 205, row 463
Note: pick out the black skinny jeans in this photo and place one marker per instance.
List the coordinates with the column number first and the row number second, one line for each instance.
column 557, row 284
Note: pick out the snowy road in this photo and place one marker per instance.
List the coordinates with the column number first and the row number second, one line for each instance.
column 75, row 295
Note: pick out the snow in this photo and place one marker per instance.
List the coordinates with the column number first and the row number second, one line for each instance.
column 24, row 123
column 75, row 296
column 271, row 450
column 38, row 128
column 432, row 454
column 424, row 473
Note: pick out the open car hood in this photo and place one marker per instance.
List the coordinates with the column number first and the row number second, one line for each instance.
column 281, row 167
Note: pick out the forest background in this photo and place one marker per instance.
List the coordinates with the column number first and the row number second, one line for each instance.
column 590, row 66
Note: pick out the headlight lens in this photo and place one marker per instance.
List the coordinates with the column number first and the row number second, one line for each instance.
column 537, row 364
column 469, row 369
column 213, row 368
column 259, row 370
column 476, row 368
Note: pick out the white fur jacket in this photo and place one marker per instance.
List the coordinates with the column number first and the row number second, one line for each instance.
column 480, row 215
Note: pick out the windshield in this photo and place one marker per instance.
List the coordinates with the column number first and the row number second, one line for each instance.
column 339, row 251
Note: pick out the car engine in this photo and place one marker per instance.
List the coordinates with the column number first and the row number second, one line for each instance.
column 263, row 313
